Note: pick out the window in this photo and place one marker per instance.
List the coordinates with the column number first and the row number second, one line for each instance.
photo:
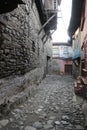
column 51, row 4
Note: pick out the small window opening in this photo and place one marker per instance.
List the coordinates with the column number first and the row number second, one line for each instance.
column 33, row 46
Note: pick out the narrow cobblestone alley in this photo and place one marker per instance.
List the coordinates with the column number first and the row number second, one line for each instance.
column 51, row 108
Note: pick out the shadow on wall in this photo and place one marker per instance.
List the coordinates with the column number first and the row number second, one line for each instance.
column 9, row 5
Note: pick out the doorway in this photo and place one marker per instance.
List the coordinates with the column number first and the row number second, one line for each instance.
column 48, row 70
column 68, row 69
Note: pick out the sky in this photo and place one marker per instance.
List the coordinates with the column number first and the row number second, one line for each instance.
column 61, row 35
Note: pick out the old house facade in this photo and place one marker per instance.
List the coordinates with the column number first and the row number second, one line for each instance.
column 76, row 55
column 62, row 58
column 25, row 45
column 84, row 39
column 75, row 32
column 79, row 20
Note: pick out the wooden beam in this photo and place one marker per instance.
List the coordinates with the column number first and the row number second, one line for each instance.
column 46, row 23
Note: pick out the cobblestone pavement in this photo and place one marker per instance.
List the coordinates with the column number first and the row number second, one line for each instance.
column 51, row 108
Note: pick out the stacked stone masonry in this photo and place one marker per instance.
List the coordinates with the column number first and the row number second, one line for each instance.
column 22, row 51
column 17, row 35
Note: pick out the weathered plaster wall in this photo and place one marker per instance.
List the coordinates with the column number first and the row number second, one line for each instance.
column 58, row 65
column 84, row 30
column 62, row 65
column 84, row 33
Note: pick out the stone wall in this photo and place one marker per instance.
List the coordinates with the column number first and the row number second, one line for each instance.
column 56, row 66
column 19, row 44
column 22, row 52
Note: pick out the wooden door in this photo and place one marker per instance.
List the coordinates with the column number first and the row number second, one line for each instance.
column 68, row 69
